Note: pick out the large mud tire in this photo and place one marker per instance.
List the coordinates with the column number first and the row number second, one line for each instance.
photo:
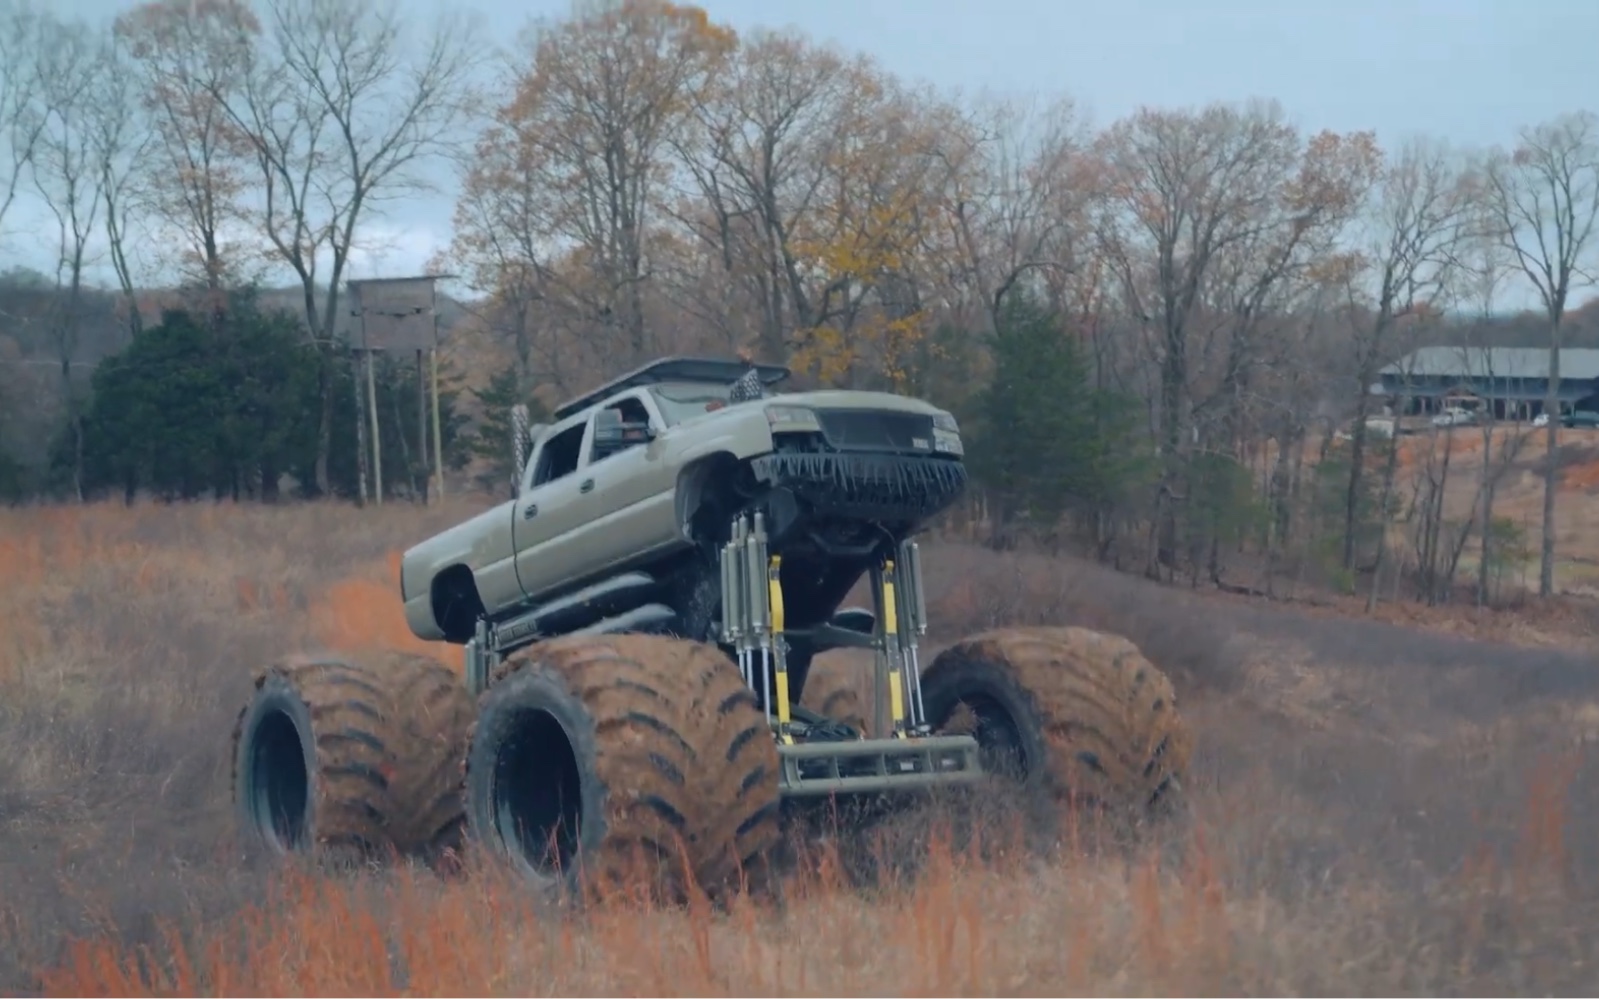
column 835, row 684
column 351, row 758
column 1079, row 714
column 434, row 713
column 623, row 760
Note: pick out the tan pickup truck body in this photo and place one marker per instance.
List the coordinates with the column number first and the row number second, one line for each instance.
column 585, row 513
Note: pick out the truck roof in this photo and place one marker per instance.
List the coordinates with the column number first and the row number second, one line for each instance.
column 708, row 370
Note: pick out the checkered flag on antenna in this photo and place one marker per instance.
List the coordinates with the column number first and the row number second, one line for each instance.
column 520, row 440
column 747, row 387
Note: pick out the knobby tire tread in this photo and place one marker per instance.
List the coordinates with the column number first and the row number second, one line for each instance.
column 683, row 751
column 388, row 729
column 834, row 687
column 1109, row 717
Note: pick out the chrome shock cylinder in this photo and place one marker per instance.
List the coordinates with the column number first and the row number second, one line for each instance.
column 735, row 613
column 914, row 625
column 760, row 618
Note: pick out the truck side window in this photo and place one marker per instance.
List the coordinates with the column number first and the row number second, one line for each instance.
column 632, row 411
column 559, row 455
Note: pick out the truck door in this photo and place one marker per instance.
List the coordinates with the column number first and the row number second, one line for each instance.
column 548, row 510
column 628, row 490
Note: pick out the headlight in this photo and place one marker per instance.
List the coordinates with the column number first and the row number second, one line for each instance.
column 791, row 418
column 947, row 435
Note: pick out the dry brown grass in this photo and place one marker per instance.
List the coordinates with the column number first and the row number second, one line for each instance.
column 1376, row 809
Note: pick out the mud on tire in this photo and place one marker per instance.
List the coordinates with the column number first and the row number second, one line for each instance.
column 1075, row 712
column 834, row 687
column 592, row 755
column 352, row 757
column 434, row 712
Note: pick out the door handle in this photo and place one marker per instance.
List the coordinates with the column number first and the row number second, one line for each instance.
column 530, row 511
column 587, row 486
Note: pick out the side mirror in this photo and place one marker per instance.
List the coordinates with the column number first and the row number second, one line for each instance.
column 613, row 434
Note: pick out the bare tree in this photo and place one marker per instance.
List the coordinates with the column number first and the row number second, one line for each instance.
column 1412, row 228
column 119, row 141
column 22, row 39
column 500, row 249
column 1509, row 434
column 595, row 112
column 1441, row 539
column 342, row 109
column 1385, row 494
column 1196, row 198
column 756, row 158
column 1019, row 186
column 67, row 175
column 1305, row 335
column 1544, row 202
column 175, row 53
column 1484, row 264
column 1258, row 278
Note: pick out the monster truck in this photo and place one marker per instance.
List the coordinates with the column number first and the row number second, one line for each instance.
column 639, row 624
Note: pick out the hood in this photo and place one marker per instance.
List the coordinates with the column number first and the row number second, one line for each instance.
column 845, row 399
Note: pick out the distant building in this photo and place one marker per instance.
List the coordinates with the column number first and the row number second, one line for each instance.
column 1513, row 381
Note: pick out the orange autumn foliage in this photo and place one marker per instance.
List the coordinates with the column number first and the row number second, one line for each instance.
column 364, row 612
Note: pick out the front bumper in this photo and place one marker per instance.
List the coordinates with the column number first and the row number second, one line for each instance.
column 864, row 485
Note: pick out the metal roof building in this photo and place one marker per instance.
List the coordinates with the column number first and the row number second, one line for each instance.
column 1498, row 375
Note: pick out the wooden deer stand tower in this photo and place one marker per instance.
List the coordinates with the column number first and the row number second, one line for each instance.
column 398, row 316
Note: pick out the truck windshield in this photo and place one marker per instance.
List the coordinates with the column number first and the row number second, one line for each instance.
column 685, row 401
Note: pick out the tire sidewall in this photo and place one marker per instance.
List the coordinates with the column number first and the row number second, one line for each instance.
column 276, row 695
column 532, row 689
column 949, row 683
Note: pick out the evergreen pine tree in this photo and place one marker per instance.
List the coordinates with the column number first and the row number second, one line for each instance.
column 1043, row 446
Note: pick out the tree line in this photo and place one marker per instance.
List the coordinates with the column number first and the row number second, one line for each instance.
column 1161, row 329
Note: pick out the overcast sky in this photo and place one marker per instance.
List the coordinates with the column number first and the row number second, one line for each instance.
column 1471, row 70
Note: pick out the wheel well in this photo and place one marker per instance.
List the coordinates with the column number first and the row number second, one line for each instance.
column 696, row 508
column 456, row 603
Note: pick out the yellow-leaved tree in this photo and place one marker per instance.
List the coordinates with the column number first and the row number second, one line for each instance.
column 812, row 176
column 558, row 209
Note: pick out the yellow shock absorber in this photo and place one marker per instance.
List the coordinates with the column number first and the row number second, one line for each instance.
column 774, row 587
column 896, row 682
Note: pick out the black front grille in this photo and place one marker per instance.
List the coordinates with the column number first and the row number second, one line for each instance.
column 866, row 486
column 868, row 430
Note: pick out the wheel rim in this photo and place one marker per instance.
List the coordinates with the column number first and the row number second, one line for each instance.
column 278, row 783
column 537, row 797
column 999, row 739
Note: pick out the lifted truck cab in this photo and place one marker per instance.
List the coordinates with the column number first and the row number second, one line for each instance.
column 641, row 473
